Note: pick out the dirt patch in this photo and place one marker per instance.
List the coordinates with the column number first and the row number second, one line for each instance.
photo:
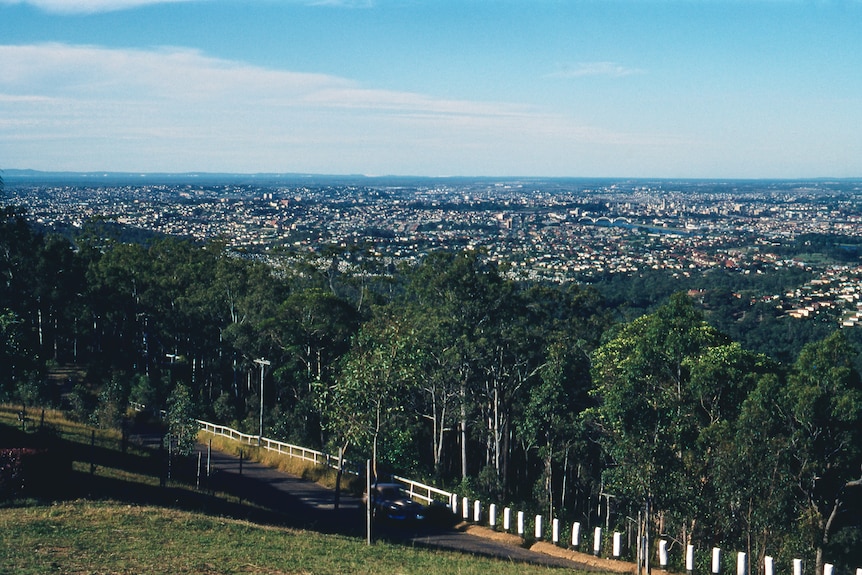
column 488, row 533
column 590, row 562
column 611, row 565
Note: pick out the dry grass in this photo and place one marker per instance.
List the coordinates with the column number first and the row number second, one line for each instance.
column 137, row 526
column 323, row 475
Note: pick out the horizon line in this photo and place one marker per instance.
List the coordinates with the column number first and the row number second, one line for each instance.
column 29, row 172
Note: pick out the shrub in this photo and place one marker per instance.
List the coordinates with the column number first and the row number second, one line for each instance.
column 25, row 471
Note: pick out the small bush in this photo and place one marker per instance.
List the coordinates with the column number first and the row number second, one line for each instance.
column 25, row 471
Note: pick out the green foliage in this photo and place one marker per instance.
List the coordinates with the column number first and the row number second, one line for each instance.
column 551, row 419
column 11, row 338
column 452, row 370
column 645, row 403
column 669, row 389
column 822, row 411
column 81, row 404
column 182, row 427
column 28, row 390
column 720, row 441
column 377, row 375
column 113, row 402
column 143, row 391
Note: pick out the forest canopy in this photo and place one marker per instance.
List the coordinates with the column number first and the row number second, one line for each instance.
column 548, row 395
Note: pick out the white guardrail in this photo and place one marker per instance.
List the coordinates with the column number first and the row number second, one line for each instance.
column 476, row 512
column 424, row 492
column 416, row 489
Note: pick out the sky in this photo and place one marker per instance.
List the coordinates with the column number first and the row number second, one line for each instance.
column 545, row 88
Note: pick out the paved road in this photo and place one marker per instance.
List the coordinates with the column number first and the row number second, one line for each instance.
column 307, row 505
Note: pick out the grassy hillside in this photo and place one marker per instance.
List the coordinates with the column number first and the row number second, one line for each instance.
column 111, row 537
column 109, row 514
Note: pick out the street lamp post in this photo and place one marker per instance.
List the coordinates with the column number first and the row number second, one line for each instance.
column 173, row 357
column 262, row 363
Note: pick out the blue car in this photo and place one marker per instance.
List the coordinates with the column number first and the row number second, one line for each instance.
column 391, row 503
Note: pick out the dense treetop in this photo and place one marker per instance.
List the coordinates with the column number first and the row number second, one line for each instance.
column 545, row 394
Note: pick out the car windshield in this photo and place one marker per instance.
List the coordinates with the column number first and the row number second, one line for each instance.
column 391, row 493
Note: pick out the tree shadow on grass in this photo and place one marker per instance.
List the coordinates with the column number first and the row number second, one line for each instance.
column 138, row 475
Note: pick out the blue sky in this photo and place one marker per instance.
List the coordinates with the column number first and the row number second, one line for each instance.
column 620, row 88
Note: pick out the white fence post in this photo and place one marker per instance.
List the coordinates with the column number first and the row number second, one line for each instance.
column 618, row 543
column 768, row 566
column 492, row 515
column 477, row 511
column 507, row 519
column 597, row 541
column 521, row 523
column 741, row 563
column 465, row 508
column 716, row 560
column 828, row 568
column 689, row 558
column 797, row 567
column 539, row 527
column 576, row 534
column 555, row 531
column 662, row 553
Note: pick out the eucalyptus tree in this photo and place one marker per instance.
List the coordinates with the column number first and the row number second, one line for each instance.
column 15, row 358
column 462, row 297
column 438, row 395
column 755, row 490
column 19, row 350
column 177, row 269
column 311, row 329
column 59, row 287
column 367, row 397
column 18, row 248
column 572, row 319
column 510, row 361
column 723, row 498
column 118, row 319
column 249, row 294
column 821, row 406
column 181, row 413
column 645, row 418
column 552, row 422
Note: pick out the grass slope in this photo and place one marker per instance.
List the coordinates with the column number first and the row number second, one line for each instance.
column 111, row 537
column 112, row 516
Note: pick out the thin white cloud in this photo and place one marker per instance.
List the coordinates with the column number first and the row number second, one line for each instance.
column 180, row 77
column 175, row 109
column 87, row 6
column 343, row 3
column 97, row 6
column 604, row 69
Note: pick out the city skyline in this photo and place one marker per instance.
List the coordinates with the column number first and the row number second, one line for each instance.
column 652, row 88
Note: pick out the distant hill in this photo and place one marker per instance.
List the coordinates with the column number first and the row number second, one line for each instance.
column 36, row 176
column 12, row 176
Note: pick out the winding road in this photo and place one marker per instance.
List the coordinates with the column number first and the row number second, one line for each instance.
column 308, row 505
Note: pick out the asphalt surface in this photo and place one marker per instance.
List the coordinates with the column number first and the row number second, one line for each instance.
column 307, row 505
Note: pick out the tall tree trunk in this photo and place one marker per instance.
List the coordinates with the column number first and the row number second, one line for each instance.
column 826, row 533
column 549, row 482
column 496, row 430
column 463, row 430
column 340, row 472
column 377, row 427
column 39, row 321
